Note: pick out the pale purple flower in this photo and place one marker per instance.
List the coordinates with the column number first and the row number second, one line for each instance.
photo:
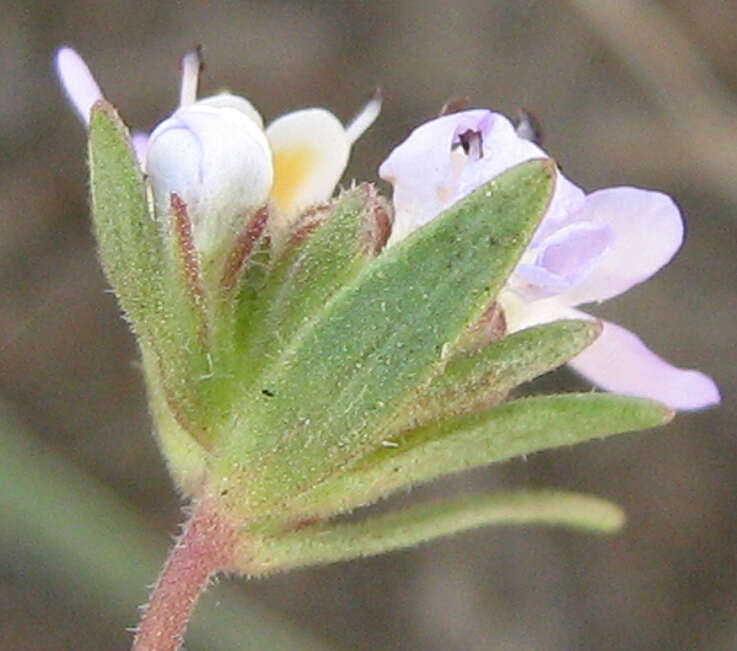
column 215, row 154
column 588, row 248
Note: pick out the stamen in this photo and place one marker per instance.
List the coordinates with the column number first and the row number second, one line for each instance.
column 472, row 144
column 191, row 67
column 528, row 127
column 365, row 118
column 77, row 81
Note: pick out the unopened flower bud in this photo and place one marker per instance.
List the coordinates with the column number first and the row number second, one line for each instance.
column 215, row 157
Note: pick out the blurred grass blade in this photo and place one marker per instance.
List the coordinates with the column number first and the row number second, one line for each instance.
column 79, row 535
column 512, row 429
column 417, row 524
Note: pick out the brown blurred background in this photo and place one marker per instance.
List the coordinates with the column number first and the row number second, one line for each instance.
column 628, row 93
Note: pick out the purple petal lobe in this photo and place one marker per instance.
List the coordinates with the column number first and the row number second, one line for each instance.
column 502, row 148
column 563, row 260
column 77, row 81
column 647, row 231
column 619, row 362
column 575, row 249
column 534, row 282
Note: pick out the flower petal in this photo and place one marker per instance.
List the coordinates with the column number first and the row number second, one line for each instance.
column 430, row 172
column 217, row 161
column 424, row 170
column 77, row 81
column 501, row 148
column 618, row 361
column 520, row 313
column 647, row 229
column 139, row 142
column 563, row 260
column 365, row 118
column 310, row 149
column 228, row 100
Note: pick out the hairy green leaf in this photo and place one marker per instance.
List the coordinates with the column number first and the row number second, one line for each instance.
column 327, row 249
column 410, row 526
column 483, row 378
column 135, row 261
column 512, row 429
column 127, row 235
column 325, row 397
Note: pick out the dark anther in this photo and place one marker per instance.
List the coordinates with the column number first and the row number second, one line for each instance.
column 472, row 144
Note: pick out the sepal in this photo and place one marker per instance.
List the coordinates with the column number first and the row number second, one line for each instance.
column 512, row 429
column 129, row 241
column 331, row 542
column 483, row 378
column 328, row 391
column 326, row 249
column 138, row 265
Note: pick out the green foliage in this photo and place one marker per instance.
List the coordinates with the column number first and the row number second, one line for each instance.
column 134, row 253
column 332, row 389
column 327, row 249
column 484, row 377
column 128, row 239
column 412, row 525
column 305, row 378
column 512, row 429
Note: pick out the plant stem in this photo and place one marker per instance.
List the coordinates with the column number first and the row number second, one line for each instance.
column 204, row 548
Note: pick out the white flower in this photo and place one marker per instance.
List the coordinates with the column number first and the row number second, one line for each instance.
column 215, row 155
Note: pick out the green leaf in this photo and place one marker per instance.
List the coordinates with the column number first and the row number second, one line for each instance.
column 331, row 256
column 484, row 378
column 185, row 266
column 410, row 526
column 327, row 249
column 278, row 291
column 135, row 261
column 512, row 429
column 328, row 394
column 128, row 238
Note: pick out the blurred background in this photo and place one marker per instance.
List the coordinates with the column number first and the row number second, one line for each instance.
column 638, row 93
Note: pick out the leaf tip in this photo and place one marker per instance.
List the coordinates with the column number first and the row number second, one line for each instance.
column 668, row 414
column 103, row 114
column 103, row 107
column 547, row 166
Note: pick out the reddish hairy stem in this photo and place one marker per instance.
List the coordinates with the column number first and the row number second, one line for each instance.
column 204, row 548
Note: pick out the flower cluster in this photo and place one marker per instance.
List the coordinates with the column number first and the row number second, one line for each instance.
column 218, row 158
column 588, row 248
column 215, row 155
column 304, row 358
